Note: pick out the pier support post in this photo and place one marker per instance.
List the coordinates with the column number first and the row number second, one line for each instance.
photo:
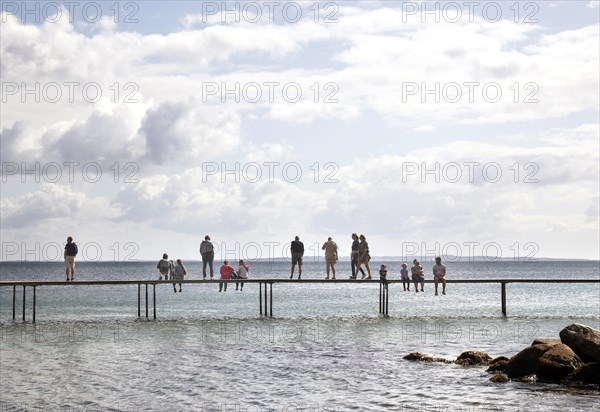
column 380, row 298
column 33, row 316
column 271, row 299
column 266, row 299
column 503, row 292
column 23, row 303
column 139, row 300
column 14, row 299
column 387, row 299
column 260, row 297
column 154, row 300
column 146, row 300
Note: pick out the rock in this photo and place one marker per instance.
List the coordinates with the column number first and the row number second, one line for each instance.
column 414, row 356
column 546, row 341
column 417, row 356
column 499, row 378
column 473, row 358
column 498, row 365
column 525, row 362
column 557, row 363
column 588, row 374
column 584, row 341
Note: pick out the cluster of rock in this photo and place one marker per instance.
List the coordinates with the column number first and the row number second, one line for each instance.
column 574, row 359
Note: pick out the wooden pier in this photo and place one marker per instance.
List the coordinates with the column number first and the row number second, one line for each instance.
column 265, row 289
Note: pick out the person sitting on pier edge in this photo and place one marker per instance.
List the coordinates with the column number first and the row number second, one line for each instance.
column 179, row 273
column 364, row 256
column 69, row 255
column 165, row 267
column 297, row 249
column 226, row 273
column 331, row 256
column 439, row 275
column 417, row 275
column 404, row 276
column 242, row 273
column 354, row 257
column 383, row 275
column 207, row 251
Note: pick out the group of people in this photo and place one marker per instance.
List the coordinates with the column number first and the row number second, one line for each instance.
column 417, row 271
column 359, row 255
column 168, row 269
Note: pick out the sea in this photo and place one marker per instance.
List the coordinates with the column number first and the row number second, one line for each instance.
column 326, row 348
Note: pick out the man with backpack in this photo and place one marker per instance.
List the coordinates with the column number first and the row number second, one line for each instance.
column 165, row 267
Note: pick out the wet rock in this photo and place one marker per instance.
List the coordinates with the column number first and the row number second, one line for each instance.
column 417, row 356
column 557, row 363
column 525, row 362
column 546, row 341
column 499, row 378
column 588, row 374
column 473, row 358
column 498, row 364
column 584, row 340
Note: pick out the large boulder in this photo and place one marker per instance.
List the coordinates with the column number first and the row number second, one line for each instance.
column 584, row 341
column 524, row 363
column 588, row 374
column 557, row 363
column 473, row 358
column 546, row 341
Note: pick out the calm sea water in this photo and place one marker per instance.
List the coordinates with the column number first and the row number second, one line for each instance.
column 326, row 348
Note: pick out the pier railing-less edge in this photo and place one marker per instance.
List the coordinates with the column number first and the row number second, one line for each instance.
column 265, row 299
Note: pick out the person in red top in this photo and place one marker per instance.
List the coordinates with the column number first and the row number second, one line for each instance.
column 226, row 273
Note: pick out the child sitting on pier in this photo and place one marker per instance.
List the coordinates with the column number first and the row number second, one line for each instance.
column 383, row 275
column 404, row 276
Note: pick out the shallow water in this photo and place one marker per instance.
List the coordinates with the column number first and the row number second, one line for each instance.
column 326, row 349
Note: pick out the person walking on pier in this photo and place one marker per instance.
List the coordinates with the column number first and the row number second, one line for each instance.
column 417, row 275
column 354, row 257
column 226, row 273
column 165, row 267
column 363, row 256
column 207, row 251
column 439, row 275
column 297, row 249
column 69, row 255
column 242, row 273
column 331, row 256
column 179, row 273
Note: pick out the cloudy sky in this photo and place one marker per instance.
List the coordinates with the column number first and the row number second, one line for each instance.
column 472, row 129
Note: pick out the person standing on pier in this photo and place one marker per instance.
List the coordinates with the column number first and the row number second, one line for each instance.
column 417, row 275
column 179, row 273
column 404, row 277
column 364, row 256
column 69, row 255
column 354, row 257
column 226, row 273
column 297, row 249
column 165, row 267
column 331, row 256
column 439, row 275
column 207, row 251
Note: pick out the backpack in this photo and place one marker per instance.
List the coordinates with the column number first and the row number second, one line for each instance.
column 164, row 267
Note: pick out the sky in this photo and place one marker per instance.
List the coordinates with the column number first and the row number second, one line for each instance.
column 433, row 128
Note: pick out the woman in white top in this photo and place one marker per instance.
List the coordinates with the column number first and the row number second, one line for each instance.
column 242, row 273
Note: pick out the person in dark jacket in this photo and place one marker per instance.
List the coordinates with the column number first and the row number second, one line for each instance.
column 70, row 253
column 297, row 249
